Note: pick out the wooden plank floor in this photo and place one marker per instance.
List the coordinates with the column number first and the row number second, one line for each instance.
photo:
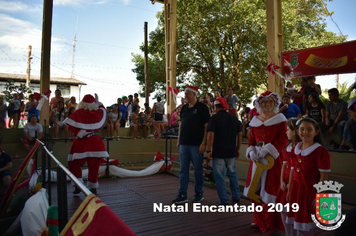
column 132, row 200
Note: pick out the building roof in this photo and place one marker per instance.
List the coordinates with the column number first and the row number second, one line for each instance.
column 36, row 79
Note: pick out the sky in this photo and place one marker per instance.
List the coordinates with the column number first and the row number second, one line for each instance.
column 107, row 33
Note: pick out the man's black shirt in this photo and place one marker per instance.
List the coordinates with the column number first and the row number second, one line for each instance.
column 192, row 123
column 225, row 127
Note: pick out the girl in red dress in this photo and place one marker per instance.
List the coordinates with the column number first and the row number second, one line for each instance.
column 287, row 171
column 267, row 137
column 311, row 165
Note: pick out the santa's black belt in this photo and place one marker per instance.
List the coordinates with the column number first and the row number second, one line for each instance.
column 90, row 134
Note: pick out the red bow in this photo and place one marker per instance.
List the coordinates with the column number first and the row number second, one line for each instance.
column 173, row 90
column 38, row 96
column 272, row 68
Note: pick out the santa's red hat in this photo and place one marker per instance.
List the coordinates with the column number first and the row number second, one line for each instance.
column 88, row 99
column 192, row 89
column 222, row 101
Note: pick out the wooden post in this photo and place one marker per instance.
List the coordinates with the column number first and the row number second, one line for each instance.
column 170, row 20
column 147, row 94
column 46, row 56
column 274, row 42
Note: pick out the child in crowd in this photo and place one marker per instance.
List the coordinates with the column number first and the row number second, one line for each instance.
column 135, row 120
column 208, row 171
column 136, row 100
column 142, row 118
column 114, row 120
column 287, row 169
column 290, row 89
column 311, row 162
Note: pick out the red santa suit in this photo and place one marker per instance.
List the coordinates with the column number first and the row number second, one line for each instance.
column 308, row 164
column 273, row 133
column 88, row 146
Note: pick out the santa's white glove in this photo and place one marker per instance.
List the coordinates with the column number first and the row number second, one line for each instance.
column 81, row 133
column 97, row 100
column 263, row 152
column 254, row 156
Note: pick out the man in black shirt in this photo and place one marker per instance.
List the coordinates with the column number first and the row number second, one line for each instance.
column 191, row 142
column 224, row 136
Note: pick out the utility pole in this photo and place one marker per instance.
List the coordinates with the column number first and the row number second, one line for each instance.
column 274, row 42
column 147, row 94
column 28, row 66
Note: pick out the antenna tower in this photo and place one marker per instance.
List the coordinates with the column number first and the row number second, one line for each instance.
column 74, row 43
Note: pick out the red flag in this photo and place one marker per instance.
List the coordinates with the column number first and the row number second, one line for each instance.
column 94, row 217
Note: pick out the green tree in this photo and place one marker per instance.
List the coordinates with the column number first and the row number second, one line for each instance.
column 223, row 43
column 11, row 88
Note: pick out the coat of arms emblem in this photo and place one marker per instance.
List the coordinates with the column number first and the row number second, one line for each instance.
column 328, row 206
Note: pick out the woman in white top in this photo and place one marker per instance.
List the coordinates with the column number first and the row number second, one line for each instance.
column 114, row 118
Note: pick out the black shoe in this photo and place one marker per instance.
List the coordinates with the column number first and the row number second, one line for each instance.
column 76, row 190
column 236, row 201
column 93, row 190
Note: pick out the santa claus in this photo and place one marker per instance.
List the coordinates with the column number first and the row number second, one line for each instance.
column 85, row 123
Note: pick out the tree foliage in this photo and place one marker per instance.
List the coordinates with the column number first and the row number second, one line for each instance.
column 223, row 44
column 11, row 88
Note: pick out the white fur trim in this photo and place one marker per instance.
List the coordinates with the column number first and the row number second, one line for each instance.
column 272, row 150
column 79, row 125
column 100, row 154
column 307, row 151
column 279, row 118
column 192, row 90
column 285, row 162
column 322, row 170
column 304, row 226
column 266, row 198
column 92, row 185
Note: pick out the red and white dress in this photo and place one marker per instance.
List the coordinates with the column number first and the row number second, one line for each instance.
column 286, row 159
column 273, row 133
column 90, row 147
column 308, row 164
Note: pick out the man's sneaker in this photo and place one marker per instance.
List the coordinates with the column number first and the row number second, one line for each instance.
column 198, row 197
column 236, row 200
column 180, row 199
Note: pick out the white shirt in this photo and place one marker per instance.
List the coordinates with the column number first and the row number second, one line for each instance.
column 31, row 130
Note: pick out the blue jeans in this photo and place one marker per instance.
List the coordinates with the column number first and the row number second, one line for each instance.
column 222, row 167
column 187, row 154
column 350, row 131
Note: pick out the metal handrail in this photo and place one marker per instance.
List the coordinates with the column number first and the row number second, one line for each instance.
column 85, row 190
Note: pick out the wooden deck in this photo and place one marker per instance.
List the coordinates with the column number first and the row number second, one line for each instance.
column 132, row 200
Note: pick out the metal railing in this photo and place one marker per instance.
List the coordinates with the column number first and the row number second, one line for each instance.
column 62, row 172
